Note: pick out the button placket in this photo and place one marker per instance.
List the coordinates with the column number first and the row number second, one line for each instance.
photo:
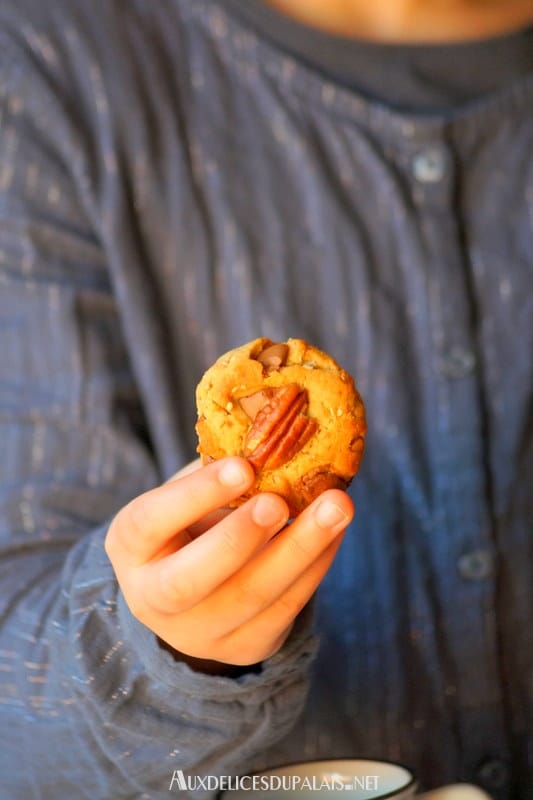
column 458, row 430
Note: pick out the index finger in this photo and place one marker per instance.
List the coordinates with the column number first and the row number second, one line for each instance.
column 143, row 527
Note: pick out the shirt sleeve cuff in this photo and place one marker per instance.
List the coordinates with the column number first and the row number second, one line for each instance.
column 288, row 664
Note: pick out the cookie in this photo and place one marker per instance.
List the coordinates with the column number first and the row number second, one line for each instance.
column 288, row 408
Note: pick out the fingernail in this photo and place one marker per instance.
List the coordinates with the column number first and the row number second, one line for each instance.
column 232, row 474
column 330, row 515
column 267, row 512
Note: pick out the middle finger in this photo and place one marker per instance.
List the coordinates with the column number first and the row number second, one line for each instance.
column 184, row 578
column 276, row 567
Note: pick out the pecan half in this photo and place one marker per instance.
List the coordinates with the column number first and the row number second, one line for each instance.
column 280, row 429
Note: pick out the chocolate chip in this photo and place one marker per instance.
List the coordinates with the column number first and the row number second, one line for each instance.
column 253, row 403
column 274, row 356
column 315, row 482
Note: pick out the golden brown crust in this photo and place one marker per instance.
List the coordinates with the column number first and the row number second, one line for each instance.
column 301, row 421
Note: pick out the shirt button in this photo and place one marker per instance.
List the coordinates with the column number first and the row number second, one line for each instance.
column 458, row 363
column 476, row 565
column 429, row 166
column 493, row 773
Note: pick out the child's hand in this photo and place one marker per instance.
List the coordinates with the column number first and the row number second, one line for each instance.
column 217, row 585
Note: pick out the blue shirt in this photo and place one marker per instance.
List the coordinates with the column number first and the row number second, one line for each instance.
column 172, row 184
